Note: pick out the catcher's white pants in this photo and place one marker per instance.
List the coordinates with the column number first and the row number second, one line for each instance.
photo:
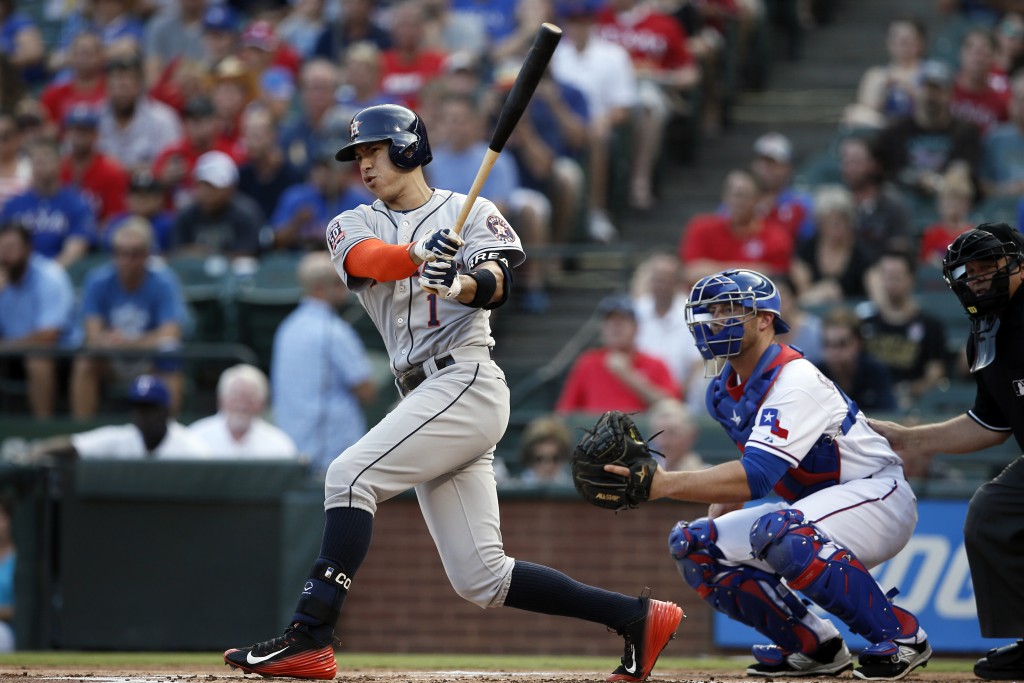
column 440, row 440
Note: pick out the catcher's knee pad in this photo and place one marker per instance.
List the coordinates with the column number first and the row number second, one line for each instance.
column 829, row 575
column 749, row 595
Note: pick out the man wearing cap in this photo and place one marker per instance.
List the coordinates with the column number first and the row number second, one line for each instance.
column 916, row 150
column 616, row 376
column 220, row 33
column 145, row 200
column 151, row 434
column 780, row 201
column 261, row 48
column 134, row 127
column 221, row 220
column 102, row 180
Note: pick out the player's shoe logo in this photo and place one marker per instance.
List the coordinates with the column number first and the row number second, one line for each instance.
column 256, row 660
column 632, row 656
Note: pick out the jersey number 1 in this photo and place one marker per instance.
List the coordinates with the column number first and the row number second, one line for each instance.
column 432, row 303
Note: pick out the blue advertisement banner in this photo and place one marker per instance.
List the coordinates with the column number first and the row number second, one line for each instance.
column 934, row 581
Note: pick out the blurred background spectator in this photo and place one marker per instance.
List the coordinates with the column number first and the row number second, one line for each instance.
column 320, row 374
column 266, row 174
column 954, row 217
column 804, row 326
column 8, row 561
column 907, row 340
column 1002, row 160
column 738, row 237
column 544, row 452
column 674, row 434
column 102, row 181
column 860, row 375
column 86, row 84
column 409, row 63
column 130, row 305
column 780, row 202
column 237, row 429
column 176, row 32
column 616, row 376
column 221, row 220
column 973, row 98
column 145, row 200
column 36, row 312
column 355, row 23
column 15, row 169
column 831, row 265
column 60, row 219
column 886, row 91
column 152, row 432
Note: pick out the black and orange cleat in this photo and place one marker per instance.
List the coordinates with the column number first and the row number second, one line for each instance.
column 646, row 638
column 296, row 654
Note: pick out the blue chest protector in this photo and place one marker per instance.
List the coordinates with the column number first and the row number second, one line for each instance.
column 818, row 469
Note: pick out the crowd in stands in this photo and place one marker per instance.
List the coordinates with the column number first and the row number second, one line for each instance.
column 135, row 134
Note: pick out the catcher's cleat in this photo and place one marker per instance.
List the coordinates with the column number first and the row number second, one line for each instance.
column 296, row 654
column 831, row 659
column 891, row 661
column 646, row 638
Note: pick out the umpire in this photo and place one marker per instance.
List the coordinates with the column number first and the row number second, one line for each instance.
column 985, row 268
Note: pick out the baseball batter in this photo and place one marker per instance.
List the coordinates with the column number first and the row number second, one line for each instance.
column 847, row 506
column 429, row 292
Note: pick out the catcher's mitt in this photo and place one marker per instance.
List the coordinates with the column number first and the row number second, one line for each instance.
column 614, row 440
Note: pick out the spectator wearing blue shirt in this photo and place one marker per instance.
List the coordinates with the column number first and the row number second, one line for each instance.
column 318, row 121
column 62, row 224
column 21, row 42
column 8, row 561
column 320, row 375
column 499, row 16
column 112, row 20
column 36, row 311
column 305, row 209
column 461, row 145
column 128, row 305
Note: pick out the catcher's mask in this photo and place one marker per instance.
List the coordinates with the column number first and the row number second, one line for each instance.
column 720, row 336
column 997, row 251
column 399, row 125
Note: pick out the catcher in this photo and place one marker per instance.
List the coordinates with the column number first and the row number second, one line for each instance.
column 847, row 506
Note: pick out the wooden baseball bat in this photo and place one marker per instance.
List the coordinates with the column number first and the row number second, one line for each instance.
column 537, row 59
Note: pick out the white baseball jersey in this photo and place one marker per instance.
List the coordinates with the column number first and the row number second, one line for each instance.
column 417, row 325
column 440, row 438
column 125, row 442
column 262, row 440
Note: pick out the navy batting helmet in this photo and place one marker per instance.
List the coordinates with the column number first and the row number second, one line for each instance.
column 401, row 126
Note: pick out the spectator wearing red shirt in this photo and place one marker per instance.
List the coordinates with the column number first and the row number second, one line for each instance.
column 101, row 180
column 173, row 166
column 955, row 200
column 738, row 239
column 616, row 376
column 973, row 99
column 87, row 83
column 665, row 70
column 261, row 49
column 408, row 65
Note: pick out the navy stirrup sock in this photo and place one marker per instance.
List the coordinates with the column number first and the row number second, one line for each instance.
column 346, row 539
column 537, row 588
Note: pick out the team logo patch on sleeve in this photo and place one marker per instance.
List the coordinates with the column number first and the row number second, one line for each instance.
column 335, row 235
column 501, row 229
column 772, row 418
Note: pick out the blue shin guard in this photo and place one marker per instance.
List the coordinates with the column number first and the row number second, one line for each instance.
column 829, row 575
column 747, row 594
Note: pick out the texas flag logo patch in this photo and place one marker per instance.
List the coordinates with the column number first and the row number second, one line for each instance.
column 772, row 418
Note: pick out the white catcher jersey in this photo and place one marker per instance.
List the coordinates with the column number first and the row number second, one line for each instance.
column 417, row 325
column 803, row 405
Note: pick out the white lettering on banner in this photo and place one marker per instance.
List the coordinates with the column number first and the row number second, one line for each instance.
column 933, row 551
column 955, row 597
column 928, row 576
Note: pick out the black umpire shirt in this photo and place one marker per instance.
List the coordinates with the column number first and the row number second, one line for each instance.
column 999, row 403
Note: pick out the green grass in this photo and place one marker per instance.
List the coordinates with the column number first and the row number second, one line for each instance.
column 403, row 662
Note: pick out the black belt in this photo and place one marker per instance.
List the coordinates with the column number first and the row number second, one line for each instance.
column 410, row 379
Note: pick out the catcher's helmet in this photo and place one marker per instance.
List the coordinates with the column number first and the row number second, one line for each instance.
column 988, row 241
column 403, row 127
column 748, row 288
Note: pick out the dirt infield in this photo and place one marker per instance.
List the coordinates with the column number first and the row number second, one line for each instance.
column 213, row 673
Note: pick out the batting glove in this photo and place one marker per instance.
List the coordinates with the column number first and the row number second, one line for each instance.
column 441, row 276
column 440, row 244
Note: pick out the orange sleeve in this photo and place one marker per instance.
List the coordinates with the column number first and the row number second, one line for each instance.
column 372, row 259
